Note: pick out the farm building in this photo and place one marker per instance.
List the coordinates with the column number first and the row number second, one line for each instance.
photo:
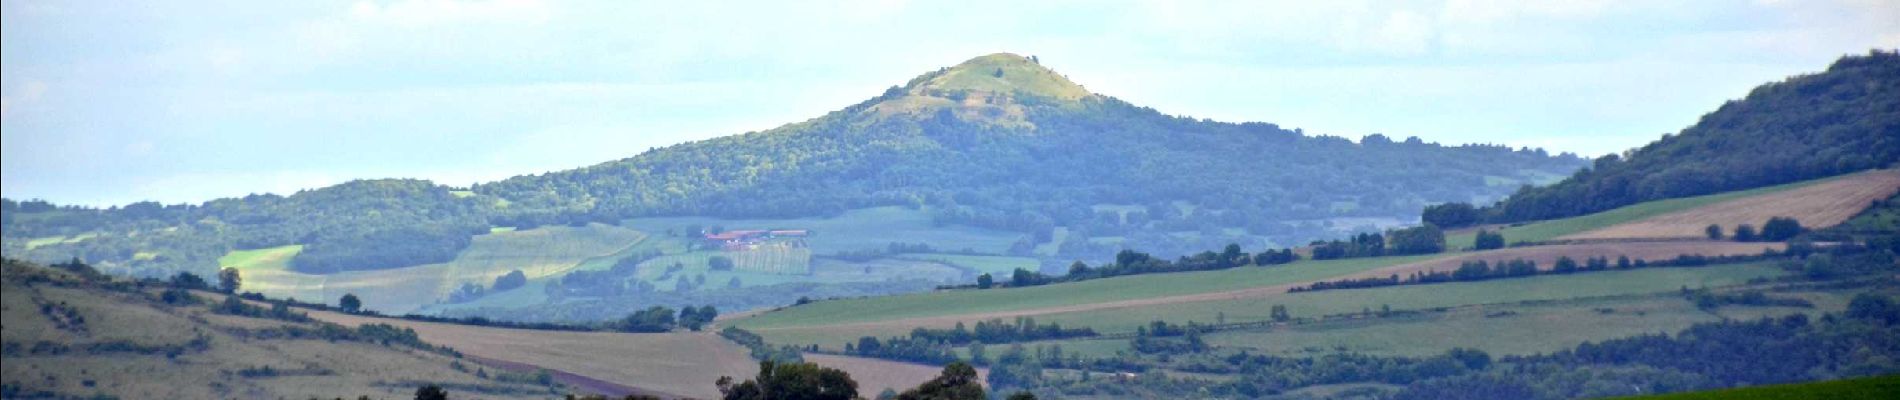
column 747, row 239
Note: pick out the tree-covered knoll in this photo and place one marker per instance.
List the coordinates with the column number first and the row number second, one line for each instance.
column 1842, row 120
column 998, row 142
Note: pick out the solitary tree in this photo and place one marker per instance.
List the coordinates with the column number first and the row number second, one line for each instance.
column 228, row 280
column 431, row 392
column 1744, row 233
column 1280, row 314
column 985, row 281
column 351, row 304
column 1714, row 231
column 1488, row 240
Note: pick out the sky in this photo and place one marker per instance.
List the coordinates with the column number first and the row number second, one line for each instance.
column 108, row 102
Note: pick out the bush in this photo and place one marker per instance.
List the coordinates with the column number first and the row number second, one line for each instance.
column 1714, row 231
column 1488, row 240
column 1780, row 229
column 1744, row 233
column 514, row 279
column 1450, row 215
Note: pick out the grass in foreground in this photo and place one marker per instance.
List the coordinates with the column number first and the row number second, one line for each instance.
column 1880, row 387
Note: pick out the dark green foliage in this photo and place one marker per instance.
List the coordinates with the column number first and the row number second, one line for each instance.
column 229, row 280
column 1451, row 215
column 984, row 281
column 760, row 350
column 1360, row 245
column 1021, row 396
column 350, row 304
column 1843, row 120
column 1488, row 240
column 791, row 381
column 997, row 331
column 695, row 317
column 431, row 392
column 1714, row 232
column 511, row 280
column 719, row 263
column 652, row 319
column 190, row 281
column 958, row 381
column 1564, row 265
column 1424, row 239
column 1780, row 229
column 1875, row 308
column 1745, row 233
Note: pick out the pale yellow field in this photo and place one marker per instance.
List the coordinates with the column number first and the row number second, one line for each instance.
column 1816, row 206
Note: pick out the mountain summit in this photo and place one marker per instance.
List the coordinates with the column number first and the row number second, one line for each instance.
column 1000, row 73
column 989, row 90
column 995, row 142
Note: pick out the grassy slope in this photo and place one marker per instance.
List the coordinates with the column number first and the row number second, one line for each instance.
column 1547, row 230
column 273, row 258
column 1311, row 304
column 1092, row 291
column 997, row 265
column 1880, row 387
column 310, row 368
column 541, row 252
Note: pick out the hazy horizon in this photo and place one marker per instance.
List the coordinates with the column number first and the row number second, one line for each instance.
column 110, row 105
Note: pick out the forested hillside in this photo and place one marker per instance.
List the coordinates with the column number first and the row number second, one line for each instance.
column 996, row 142
column 1843, row 120
column 1002, row 142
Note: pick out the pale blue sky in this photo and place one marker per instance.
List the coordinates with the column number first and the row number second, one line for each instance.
column 108, row 102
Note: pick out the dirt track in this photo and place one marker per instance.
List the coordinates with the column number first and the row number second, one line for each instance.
column 1816, row 206
column 1544, row 255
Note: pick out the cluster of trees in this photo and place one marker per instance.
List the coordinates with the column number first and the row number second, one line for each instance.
column 1805, row 127
column 1857, row 342
column 759, row 349
column 1478, row 270
column 1488, row 240
column 696, row 317
column 663, row 319
column 806, row 381
column 1423, row 239
column 1131, row 262
column 367, row 224
column 997, row 331
column 919, row 350
column 1778, row 229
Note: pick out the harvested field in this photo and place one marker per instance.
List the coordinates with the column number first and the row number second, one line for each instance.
column 663, row 364
column 873, row 375
column 1819, row 205
column 1546, row 256
column 666, row 364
